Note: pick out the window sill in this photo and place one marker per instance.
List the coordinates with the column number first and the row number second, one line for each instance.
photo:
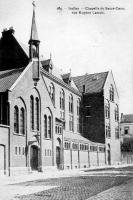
column 47, row 138
column 18, row 134
column 36, row 131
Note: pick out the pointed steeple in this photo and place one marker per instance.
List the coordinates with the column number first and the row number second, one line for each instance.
column 34, row 34
column 34, row 48
column 34, row 41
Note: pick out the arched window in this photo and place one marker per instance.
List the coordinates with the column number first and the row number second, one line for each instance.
column 22, row 121
column 62, row 100
column 37, row 113
column 107, row 109
column 32, row 112
column 16, row 119
column 71, row 103
column 52, row 92
column 116, row 113
column 78, row 106
column 62, row 104
column 71, row 117
column 49, row 127
column 111, row 93
column 45, row 126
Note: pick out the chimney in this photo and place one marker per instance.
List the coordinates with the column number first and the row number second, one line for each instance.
column 7, row 32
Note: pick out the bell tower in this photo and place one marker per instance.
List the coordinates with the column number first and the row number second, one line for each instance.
column 34, row 41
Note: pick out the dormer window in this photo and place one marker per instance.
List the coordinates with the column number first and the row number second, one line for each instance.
column 67, row 78
column 47, row 65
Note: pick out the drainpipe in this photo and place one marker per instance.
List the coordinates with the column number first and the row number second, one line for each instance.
column 97, row 157
column 88, row 157
column 9, row 141
column 62, row 149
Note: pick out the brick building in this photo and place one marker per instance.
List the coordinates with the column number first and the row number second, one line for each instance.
column 46, row 119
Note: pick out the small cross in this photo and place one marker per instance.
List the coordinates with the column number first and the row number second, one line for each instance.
column 33, row 3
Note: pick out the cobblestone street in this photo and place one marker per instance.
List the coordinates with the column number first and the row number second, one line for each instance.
column 109, row 184
column 79, row 188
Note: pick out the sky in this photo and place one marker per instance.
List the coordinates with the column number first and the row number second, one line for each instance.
column 83, row 43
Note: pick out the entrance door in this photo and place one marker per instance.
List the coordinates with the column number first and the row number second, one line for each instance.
column 58, row 157
column 2, row 161
column 34, row 157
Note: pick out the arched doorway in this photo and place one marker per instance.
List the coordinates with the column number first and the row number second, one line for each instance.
column 34, row 157
column 109, row 155
column 58, row 153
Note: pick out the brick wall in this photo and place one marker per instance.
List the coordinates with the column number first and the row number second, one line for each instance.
column 93, row 117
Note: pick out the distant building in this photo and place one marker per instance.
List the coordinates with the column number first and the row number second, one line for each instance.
column 126, row 132
column 126, row 126
column 49, row 119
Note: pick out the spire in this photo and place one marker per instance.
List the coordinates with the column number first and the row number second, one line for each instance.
column 34, row 34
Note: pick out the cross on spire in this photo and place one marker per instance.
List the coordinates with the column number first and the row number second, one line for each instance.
column 33, row 3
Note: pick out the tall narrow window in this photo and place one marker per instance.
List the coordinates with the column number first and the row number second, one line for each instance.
column 71, row 116
column 49, row 127
column 32, row 112
column 62, row 104
column 16, row 119
column 52, row 92
column 78, row 122
column 111, row 93
column 71, row 104
column 78, row 104
column 108, row 131
column 37, row 113
column 116, row 113
column 107, row 109
column 45, row 126
column 22, row 121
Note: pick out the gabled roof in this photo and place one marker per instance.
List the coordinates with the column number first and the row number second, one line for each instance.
column 127, row 118
column 94, row 83
column 8, row 78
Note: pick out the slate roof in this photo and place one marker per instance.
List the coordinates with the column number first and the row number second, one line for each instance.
column 94, row 83
column 78, row 138
column 8, row 78
column 127, row 118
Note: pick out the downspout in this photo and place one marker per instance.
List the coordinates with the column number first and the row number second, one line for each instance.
column 9, row 141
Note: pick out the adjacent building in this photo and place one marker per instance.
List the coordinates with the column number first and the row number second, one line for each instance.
column 126, row 126
column 53, row 120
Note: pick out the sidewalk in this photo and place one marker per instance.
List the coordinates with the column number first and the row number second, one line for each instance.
column 56, row 174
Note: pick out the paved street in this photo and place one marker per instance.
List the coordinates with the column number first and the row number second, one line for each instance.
column 110, row 184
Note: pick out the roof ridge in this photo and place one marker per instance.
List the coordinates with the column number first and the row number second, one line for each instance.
column 9, row 72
